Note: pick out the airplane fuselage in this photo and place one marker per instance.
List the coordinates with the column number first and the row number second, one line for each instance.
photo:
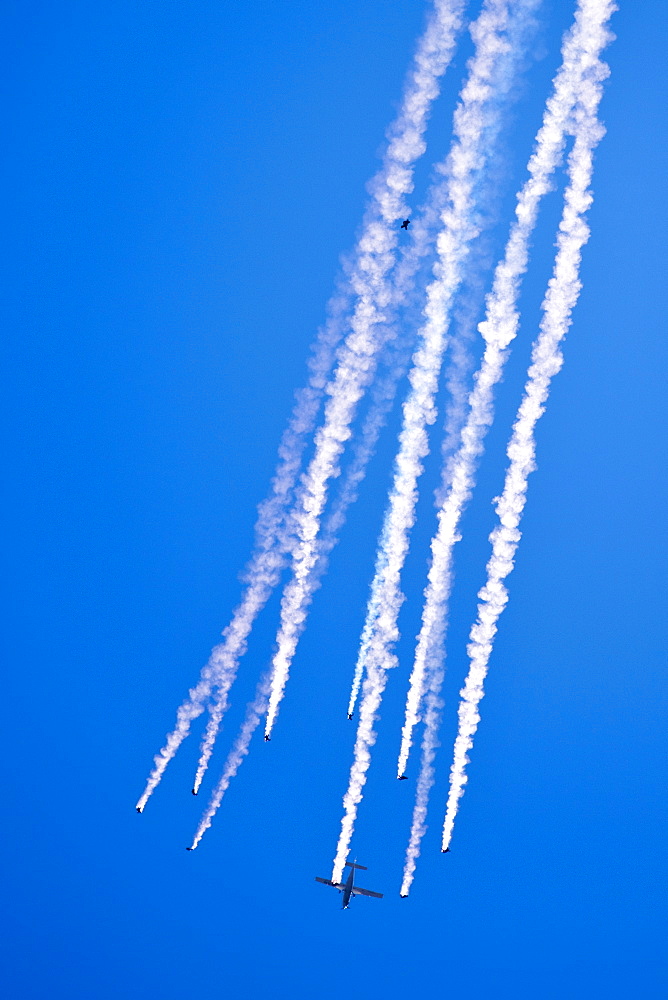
column 348, row 890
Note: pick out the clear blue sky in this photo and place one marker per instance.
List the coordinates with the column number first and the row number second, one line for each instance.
column 180, row 182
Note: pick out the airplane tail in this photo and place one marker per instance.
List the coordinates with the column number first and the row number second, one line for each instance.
column 353, row 864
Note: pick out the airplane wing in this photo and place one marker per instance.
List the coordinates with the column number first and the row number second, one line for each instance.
column 366, row 892
column 326, row 881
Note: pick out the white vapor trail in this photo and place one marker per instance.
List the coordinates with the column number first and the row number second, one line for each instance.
column 382, row 400
column 370, row 262
column 561, row 297
column 268, row 559
column 580, row 50
column 358, row 358
column 239, row 750
column 497, row 35
column 458, row 371
column 457, row 378
column 580, row 68
column 383, row 396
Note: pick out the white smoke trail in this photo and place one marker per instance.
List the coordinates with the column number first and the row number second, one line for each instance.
column 580, row 67
column 580, row 63
column 371, row 260
column 384, row 395
column 373, row 424
column 457, row 381
column 430, row 744
column 240, row 749
column 498, row 37
column 269, row 556
column 359, row 356
column 562, row 294
column 458, row 371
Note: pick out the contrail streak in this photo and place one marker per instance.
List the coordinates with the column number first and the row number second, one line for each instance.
column 562, row 294
column 581, row 49
column 457, row 379
column 358, row 358
column 372, row 258
column 457, row 373
column 581, row 44
column 268, row 560
column 497, row 37
column 254, row 714
column 382, row 400
column 383, row 397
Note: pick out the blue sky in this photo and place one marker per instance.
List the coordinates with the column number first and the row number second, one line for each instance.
column 181, row 181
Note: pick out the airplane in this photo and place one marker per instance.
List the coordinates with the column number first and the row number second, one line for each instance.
column 267, row 739
column 350, row 715
column 405, row 224
column 347, row 887
column 194, row 791
column 402, row 777
column 190, row 848
column 445, row 850
column 138, row 809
